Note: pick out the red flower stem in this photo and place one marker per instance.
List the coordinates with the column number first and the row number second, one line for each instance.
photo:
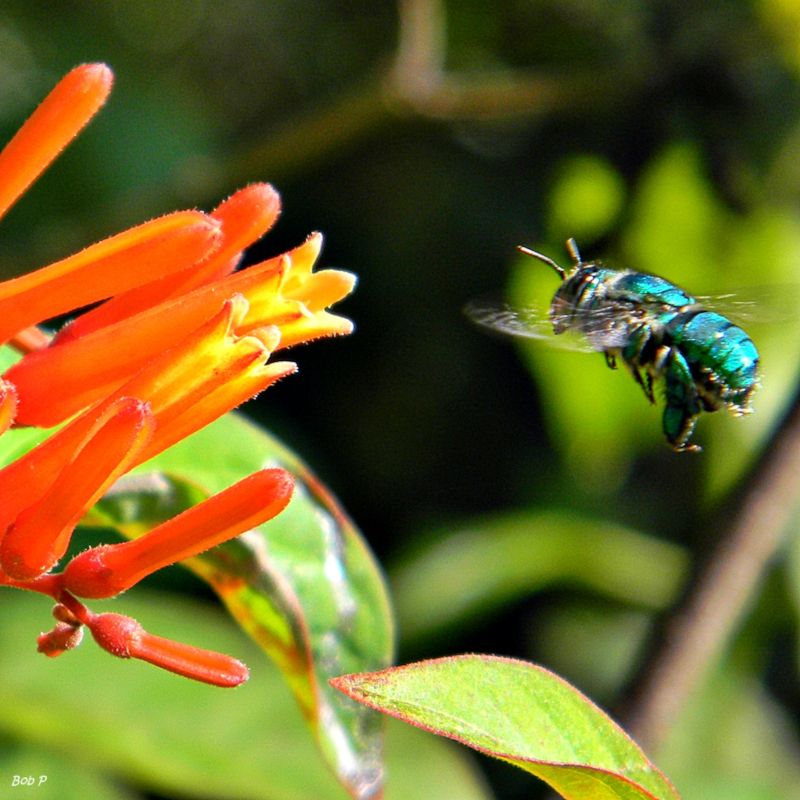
column 78, row 609
column 50, row 585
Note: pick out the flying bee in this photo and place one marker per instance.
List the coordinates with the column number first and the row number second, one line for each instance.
column 662, row 335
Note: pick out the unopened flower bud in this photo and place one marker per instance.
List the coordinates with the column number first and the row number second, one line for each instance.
column 63, row 637
column 124, row 637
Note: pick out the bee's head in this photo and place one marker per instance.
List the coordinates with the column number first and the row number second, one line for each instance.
column 568, row 297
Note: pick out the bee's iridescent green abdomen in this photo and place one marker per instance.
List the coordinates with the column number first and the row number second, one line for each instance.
column 725, row 354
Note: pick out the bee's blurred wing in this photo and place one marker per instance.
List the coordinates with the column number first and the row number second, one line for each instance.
column 607, row 327
column 529, row 322
column 756, row 304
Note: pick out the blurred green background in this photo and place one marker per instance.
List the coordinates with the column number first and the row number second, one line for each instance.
column 522, row 500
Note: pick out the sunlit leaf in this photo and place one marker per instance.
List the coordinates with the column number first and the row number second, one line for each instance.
column 304, row 586
column 520, row 713
column 586, row 198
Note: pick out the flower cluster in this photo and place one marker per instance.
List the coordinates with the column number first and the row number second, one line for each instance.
column 180, row 338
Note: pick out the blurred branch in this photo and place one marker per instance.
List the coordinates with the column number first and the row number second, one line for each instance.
column 419, row 79
column 416, row 82
column 696, row 638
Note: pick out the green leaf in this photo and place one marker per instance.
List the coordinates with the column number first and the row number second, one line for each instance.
column 97, row 715
column 496, row 561
column 304, row 586
column 586, row 199
column 520, row 713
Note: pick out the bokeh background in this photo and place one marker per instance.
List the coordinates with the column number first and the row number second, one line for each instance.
column 522, row 499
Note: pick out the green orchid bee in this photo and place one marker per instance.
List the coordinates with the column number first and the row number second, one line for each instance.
column 661, row 333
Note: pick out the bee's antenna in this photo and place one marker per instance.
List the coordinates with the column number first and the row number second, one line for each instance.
column 549, row 261
column 572, row 249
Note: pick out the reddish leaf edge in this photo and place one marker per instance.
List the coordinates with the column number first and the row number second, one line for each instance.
column 345, row 684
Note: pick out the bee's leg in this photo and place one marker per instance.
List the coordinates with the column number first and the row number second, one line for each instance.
column 646, row 383
column 739, row 401
column 611, row 359
column 632, row 355
column 659, row 359
column 683, row 403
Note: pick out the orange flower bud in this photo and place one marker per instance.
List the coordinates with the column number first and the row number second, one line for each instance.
column 125, row 638
column 108, row 570
column 62, row 637
column 74, row 101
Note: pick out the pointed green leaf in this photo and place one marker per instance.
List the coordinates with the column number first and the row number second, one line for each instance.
column 521, row 713
column 304, row 586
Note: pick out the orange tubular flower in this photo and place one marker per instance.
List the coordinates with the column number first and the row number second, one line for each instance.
column 187, row 387
column 40, row 535
column 108, row 570
column 181, row 339
column 55, row 383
